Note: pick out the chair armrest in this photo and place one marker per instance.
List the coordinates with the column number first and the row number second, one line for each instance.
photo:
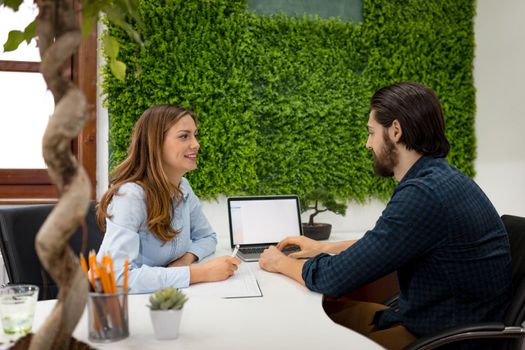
column 473, row 331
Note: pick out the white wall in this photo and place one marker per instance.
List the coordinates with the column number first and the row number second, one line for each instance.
column 499, row 76
column 500, row 123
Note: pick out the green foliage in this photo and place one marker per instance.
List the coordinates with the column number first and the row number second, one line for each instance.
column 167, row 299
column 282, row 101
column 116, row 12
column 16, row 37
column 119, row 13
column 12, row 4
column 320, row 200
column 111, row 47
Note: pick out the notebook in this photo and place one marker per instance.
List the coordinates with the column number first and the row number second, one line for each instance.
column 259, row 221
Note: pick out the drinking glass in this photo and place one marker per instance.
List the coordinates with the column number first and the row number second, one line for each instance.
column 17, row 308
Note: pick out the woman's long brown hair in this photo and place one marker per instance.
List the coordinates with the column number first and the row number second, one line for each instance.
column 143, row 165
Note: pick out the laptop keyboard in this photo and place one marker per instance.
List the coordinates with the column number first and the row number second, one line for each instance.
column 258, row 250
column 254, row 250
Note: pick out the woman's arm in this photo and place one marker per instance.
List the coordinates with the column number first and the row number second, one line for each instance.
column 186, row 260
column 203, row 237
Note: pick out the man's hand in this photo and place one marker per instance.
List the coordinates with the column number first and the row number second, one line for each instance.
column 309, row 247
column 270, row 258
column 185, row 260
column 273, row 260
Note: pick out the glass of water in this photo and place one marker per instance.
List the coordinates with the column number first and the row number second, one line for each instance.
column 17, row 308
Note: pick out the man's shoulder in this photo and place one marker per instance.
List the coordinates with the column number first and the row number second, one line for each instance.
column 436, row 167
column 445, row 185
column 435, row 173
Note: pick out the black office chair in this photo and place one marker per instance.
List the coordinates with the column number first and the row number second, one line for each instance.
column 510, row 333
column 18, row 228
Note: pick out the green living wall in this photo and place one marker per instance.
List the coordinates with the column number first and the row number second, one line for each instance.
column 282, row 101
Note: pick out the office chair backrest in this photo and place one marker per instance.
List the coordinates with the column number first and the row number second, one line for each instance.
column 515, row 227
column 18, row 228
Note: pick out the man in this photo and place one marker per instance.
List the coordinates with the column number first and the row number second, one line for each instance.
column 439, row 232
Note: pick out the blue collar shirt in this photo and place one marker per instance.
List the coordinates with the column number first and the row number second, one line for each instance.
column 127, row 235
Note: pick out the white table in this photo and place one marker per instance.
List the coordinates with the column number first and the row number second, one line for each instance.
column 288, row 316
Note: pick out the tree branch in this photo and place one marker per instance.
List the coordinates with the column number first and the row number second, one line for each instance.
column 59, row 38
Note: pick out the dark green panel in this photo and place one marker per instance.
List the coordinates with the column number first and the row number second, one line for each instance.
column 348, row 10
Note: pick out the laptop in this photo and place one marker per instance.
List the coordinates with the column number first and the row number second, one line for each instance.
column 260, row 221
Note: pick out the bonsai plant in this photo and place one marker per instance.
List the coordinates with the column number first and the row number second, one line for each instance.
column 166, row 312
column 320, row 200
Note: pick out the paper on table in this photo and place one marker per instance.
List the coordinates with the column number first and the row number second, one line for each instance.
column 241, row 285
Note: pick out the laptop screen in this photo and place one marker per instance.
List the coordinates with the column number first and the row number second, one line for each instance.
column 263, row 220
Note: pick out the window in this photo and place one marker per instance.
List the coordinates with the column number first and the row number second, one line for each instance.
column 26, row 107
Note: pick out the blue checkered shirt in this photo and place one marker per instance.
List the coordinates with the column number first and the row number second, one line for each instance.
column 447, row 243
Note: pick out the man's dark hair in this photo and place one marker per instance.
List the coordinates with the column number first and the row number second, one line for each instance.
column 417, row 109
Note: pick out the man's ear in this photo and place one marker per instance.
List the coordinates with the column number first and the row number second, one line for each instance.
column 395, row 131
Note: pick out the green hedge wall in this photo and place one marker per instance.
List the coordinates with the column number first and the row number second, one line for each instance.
column 283, row 101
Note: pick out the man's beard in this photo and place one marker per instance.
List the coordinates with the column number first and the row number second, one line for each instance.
column 384, row 163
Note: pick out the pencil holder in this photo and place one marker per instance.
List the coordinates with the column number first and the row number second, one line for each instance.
column 108, row 316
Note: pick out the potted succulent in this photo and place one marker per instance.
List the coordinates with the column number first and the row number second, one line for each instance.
column 166, row 312
column 320, row 200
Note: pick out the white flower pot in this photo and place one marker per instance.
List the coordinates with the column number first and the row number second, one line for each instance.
column 166, row 323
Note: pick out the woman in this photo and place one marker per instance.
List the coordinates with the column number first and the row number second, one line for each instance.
column 151, row 214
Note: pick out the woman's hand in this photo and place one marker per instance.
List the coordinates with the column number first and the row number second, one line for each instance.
column 217, row 269
column 185, row 260
column 308, row 246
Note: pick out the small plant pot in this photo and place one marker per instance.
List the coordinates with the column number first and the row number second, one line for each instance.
column 166, row 323
column 318, row 232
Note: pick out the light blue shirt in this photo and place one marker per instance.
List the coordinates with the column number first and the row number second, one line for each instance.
column 127, row 235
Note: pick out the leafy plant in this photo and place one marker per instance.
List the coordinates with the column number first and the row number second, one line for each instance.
column 320, row 200
column 167, row 299
column 283, row 101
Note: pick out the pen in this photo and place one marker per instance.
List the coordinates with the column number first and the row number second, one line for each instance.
column 234, row 253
